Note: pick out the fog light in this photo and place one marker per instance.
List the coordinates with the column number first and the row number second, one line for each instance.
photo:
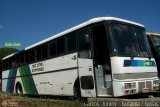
column 156, row 82
column 133, row 85
column 127, row 86
column 130, row 85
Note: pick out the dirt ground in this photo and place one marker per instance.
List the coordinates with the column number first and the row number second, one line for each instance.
column 148, row 100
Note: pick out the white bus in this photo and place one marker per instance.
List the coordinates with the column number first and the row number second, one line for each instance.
column 103, row 57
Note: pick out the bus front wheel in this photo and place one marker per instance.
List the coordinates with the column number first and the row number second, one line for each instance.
column 77, row 91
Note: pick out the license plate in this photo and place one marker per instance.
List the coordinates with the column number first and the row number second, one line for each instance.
column 145, row 90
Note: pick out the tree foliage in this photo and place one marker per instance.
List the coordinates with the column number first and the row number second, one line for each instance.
column 6, row 51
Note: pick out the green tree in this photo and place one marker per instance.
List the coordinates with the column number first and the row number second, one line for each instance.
column 6, row 51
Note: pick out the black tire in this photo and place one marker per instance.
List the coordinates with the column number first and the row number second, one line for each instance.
column 77, row 91
column 19, row 90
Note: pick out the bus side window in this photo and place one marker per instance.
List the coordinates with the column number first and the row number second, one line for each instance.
column 26, row 57
column 20, row 58
column 38, row 53
column 0, row 65
column 9, row 63
column 61, row 46
column 5, row 64
column 84, row 43
column 45, row 51
column 53, row 49
column 32, row 55
column 14, row 62
column 71, row 42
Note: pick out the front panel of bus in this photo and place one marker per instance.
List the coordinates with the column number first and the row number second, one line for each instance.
column 133, row 67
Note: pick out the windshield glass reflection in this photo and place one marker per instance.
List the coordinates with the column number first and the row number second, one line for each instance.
column 129, row 41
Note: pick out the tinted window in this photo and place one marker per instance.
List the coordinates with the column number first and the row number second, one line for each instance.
column 5, row 64
column 38, row 53
column 84, row 39
column 32, row 55
column 71, row 41
column 45, row 51
column 87, row 82
column 14, row 64
column 9, row 63
column 142, row 42
column 26, row 56
column 53, row 49
column 20, row 58
column 127, row 40
column 61, row 46
column 122, row 39
column 0, row 68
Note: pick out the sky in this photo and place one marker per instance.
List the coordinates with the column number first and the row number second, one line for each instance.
column 29, row 21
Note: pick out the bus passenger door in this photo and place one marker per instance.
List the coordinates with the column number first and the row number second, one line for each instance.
column 85, row 64
column 101, row 61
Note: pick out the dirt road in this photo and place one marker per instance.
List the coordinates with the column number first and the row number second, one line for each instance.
column 133, row 101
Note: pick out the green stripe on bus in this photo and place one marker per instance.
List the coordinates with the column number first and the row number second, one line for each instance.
column 28, row 82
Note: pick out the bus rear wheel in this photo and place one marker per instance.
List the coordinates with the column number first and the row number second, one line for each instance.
column 19, row 90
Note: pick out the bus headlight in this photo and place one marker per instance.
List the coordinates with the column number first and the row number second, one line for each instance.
column 126, row 85
column 155, row 82
column 130, row 88
column 130, row 85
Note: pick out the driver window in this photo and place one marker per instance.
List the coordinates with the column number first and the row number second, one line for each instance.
column 84, row 43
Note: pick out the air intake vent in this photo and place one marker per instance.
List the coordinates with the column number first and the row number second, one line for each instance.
column 141, row 85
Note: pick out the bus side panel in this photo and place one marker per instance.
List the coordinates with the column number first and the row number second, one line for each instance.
column 8, row 81
column 55, row 76
column 56, row 83
column 26, row 80
column 4, row 80
column 4, row 85
column 62, row 73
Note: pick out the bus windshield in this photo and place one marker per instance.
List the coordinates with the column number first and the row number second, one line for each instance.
column 129, row 41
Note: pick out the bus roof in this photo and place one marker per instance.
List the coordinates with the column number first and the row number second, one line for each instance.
column 91, row 21
column 152, row 34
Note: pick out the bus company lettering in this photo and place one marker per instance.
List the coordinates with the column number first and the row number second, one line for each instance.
column 15, row 44
column 38, row 67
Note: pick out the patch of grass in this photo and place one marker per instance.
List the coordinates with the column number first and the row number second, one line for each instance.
column 38, row 102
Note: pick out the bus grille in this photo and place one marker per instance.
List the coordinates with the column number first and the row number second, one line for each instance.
column 141, row 85
column 149, row 85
